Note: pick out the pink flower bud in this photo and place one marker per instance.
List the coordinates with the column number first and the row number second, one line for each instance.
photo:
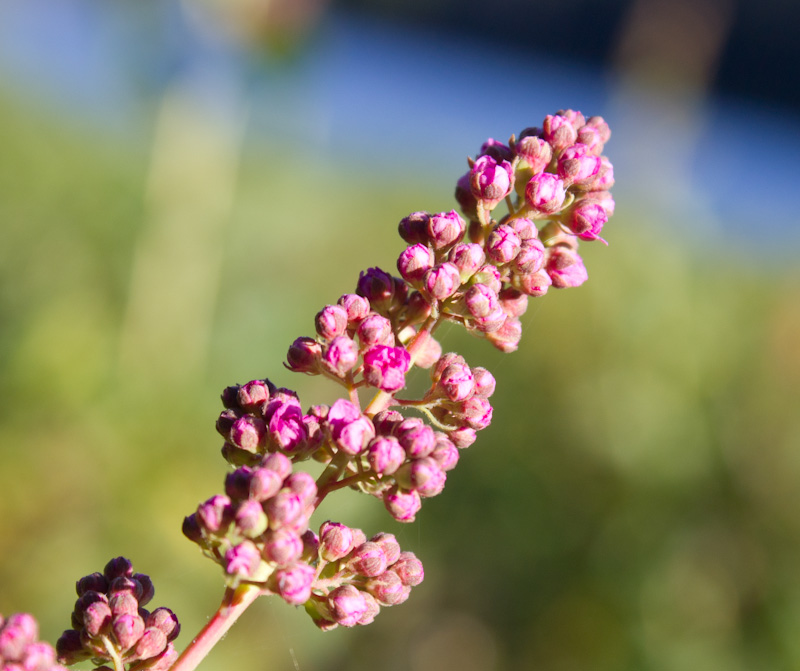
column 377, row 286
column 414, row 228
column 389, row 545
column 465, row 198
column 250, row 518
column 349, row 429
column 38, row 656
column 241, row 560
column 409, row 569
column 293, row 583
column 587, row 220
column 476, row 412
column 565, row 268
column 491, row 180
column 215, row 513
column 401, row 504
column 279, row 463
column 248, row 433
column 284, row 509
column 414, row 261
column 335, row 541
column 287, row 430
column 385, row 455
column 604, row 179
column 497, row 150
column 386, row 367
column 481, row 301
column 533, row 284
column 347, row 605
column 602, row 127
column 574, row 117
column 530, row 258
column 152, row 643
column 304, row 355
column 123, row 603
column 503, row 245
column 558, row 131
column 97, row 618
column 340, row 356
column 442, row 281
column 416, row 438
column 252, row 396
column 368, row 559
column 445, row 454
column 507, row 337
column 127, row 629
column 16, row 633
column 357, row 307
column 165, row 620
column 577, row 166
column 535, row 151
column 445, row 229
column 467, row 257
column 264, row 483
column 513, row 302
column 457, row 382
column 331, row 321
column 373, row 608
column 418, row 473
column 490, row 276
column 304, row 485
column 545, row 193
column 388, row 589
column 282, row 546
column 592, row 138
column 444, row 362
column 374, row 329
column 428, row 352
column 387, row 421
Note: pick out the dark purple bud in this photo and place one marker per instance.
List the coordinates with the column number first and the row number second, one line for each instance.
column 403, row 505
column 442, row 281
column 506, row 338
column 147, row 588
column 335, row 541
column 347, row 605
column 96, row 582
column 241, row 560
column 249, row 433
column 152, row 643
column 165, row 620
column 413, row 228
column 386, row 367
column 409, row 569
column 545, row 193
column 117, row 567
column 69, row 648
column 225, row 422
column 565, row 268
column 293, row 583
column 253, row 395
column 387, row 421
column 377, row 286
column 375, row 330
column 304, row 355
column 388, row 589
column 331, row 321
column 385, row 455
column 357, row 307
column 340, row 356
column 497, row 150
column 127, row 629
column 445, row 229
column 237, row 483
column 368, row 559
column 465, row 198
column 282, row 546
column 230, row 397
column 191, row 529
column 416, row 437
column 250, row 518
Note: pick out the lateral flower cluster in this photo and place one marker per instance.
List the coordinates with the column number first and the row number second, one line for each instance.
column 110, row 624
column 20, row 647
column 479, row 272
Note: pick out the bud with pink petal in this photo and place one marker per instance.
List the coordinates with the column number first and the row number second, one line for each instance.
column 533, row 284
column 385, row 455
column 242, row 560
column 416, row 437
column 282, row 546
column 250, row 519
column 491, row 180
column 304, row 355
column 507, row 337
column 445, row 229
column 349, row 429
column 414, row 228
column 368, row 559
column 287, row 430
column 335, row 541
column 503, row 245
column 389, row 545
column 578, row 167
column 340, row 356
column 252, row 396
column 463, row 436
column 467, row 257
column 386, row 367
column 559, row 131
column 513, row 302
column 284, row 509
column 445, row 454
column 587, row 220
column 388, row 589
column 409, row 569
column 545, row 193
column 442, row 281
column 331, row 321
column 457, row 382
column 530, row 258
column 414, row 261
column 535, row 151
column 402, row 504
column 293, row 583
column 565, row 268
column 347, row 605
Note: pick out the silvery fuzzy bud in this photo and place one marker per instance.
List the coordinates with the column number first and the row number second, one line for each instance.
column 530, row 258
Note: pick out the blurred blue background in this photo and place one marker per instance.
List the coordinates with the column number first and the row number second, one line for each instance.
column 184, row 184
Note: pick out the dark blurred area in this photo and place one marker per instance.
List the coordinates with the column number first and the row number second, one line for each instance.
column 183, row 185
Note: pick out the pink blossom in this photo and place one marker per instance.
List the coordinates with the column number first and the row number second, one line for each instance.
column 349, row 428
column 386, row 367
column 545, row 193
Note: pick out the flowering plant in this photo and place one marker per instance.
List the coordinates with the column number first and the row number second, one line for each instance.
column 477, row 270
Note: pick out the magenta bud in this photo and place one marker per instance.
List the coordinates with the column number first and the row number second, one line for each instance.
column 530, row 258
column 215, row 513
column 565, row 268
column 241, row 560
column 506, row 338
column 152, row 643
column 293, row 583
column 481, row 300
column 375, row 330
column 467, row 257
column 69, row 648
column 127, row 629
column 357, row 307
column 147, row 591
column 117, row 567
column 340, row 356
column 558, row 131
column 388, row 589
column 457, row 381
column 445, row 229
column 389, row 545
column 403, row 505
column 377, row 286
column 577, row 166
column 373, row 608
column 347, row 605
column 535, row 151
column 331, row 321
column 414, row 228
column 385, row 455
column 250, row 518
column 497, row 150
column 282, row 546
column 409, row 569
column 304, row 355
column 237, row 483
column 335, row 541
column 304, row 485
column 484, row 382
column 445, row 454
column 368, row 559
column 442, row 281
column 349, row 429
column 386, row 367
column 502, row 245
column 414, row 261
column 416, row 438
column 165, row 620
column 249, row 433
column 604, row 179
column 253, row 395
column 279, row 463
column 462, row 437
column 491, row 180
column 545, row 193
column 592, row 138
column 587, row 220
column 422, row 475
column 38, row 656
column 96, row 582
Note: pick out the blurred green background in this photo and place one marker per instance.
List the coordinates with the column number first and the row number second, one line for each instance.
column 634, row 504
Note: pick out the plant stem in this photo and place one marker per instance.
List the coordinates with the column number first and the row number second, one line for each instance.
column 234, row 603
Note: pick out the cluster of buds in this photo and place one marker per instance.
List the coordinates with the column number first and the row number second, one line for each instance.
column 20, row 649
column 478, row 272
column 110, row 623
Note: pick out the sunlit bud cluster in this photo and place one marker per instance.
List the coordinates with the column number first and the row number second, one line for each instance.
column 110, row 625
